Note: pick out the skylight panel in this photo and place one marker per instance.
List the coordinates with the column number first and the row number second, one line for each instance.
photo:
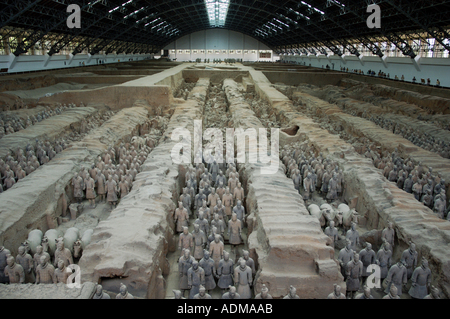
column 217, row 11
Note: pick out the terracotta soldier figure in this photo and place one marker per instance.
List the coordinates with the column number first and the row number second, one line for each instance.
column 124, row 187
column 225, row 271
column 264, row 294
column 243, row 279
column 184, row 264
column 90, row 191
column 199, row 238
column 62, row 273
column 231, row 294
column 185, row 241
column 26, row 261
column 238, row 194
column 389, row 234
column 336, row 294
column 100, row 294
column 62, row 253
column 410, row 257
column 100, row 180
column 332, row 233
column 4, row 254
column 207, row 264
column 196, row 278
column 239, row 210
column 14, row 271
column 353, row 235
column 421, row 281
column 345, row 255
column 292, row 293
column 234, row 232
column 124, row 294
column 216, row 250
column 367, row 257
column 248, row 261
column 354, row 271
column 45, row 272
column 365, row 295
column 227, row 200
column 181, row 217
column 384, row 260
column 397, row 276
column 112, row 190
column 78, row 187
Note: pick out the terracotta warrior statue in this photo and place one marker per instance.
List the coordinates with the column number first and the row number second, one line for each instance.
column 112, row 190
column 90, row 190
column 388, row 233
column 397, row 276
column 367, row 257
column 196, row 278
column 264, row 294
column 124, row 294
column 207, row 264
column 239, row 210
column 99, row 293
column 354, row 270
column 184, row 264
column 345, row 255
column 410, row 257
column 353, row 235
column 384, row 260
column 202, row 294
column 292, row 293
column 231, row 294
column 181, row 217
column 421, row 281
column 4, row 254
column 45, row 272
column 225, row 271
column 185, row 241
column 243, row 279
column 61, row 272
column 365, row 295
column 234, row 232
column 14, row 271
column 62, row 253
column 216, row 250
column 336, row 294
column 199, row 238
column 26, row 261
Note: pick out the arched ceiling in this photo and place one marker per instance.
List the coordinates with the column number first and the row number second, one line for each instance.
column 284, row 25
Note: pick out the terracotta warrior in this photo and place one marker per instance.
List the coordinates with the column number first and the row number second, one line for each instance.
column 238, row 194
column 248, row 261
column 202, row 294
column 227, row 200
column 336, row 294
column 397, row 276
column 345, row 255
column 90, row 191
column 124, row 187
column 393, row 293
column 62, row 253
column 367, row 257
column 353, row 235
column 219, row 224
column 26, row 261
column 410, row 257
column 181, row 217
column 225, row 271
column 45, row 272
column 100, row 294
column 264, row 294
column 4, row 254
column 196, row 278
column 239, row 210
column 388, row 233
column 124, row 294
column 100, row 180
column 78, row 187
column 184, row 264
column 231, row 294
column 203, row 223
column 332, row 233
column 14, row 271
column 435, row 294
column 354, row 270
column 207, row 264
column 216, row 250
column 62, row 273
column 421, row 281
column 292, row 293
column 384, row 260
column 199, row 238
column 234, row 232
column 112, row 190
column 243, row 279
column 365, row 295
column 185, row 241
